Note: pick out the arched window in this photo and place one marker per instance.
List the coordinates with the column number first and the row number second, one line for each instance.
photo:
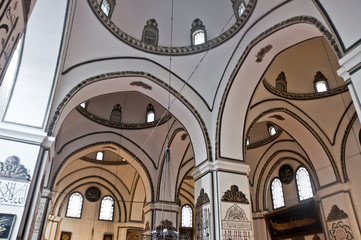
column 304, row 186
column 107, row 209
column 277, row 194
column 198, row 32
column 247, row 141
column 150, row 113
column 281, row 83
column 99, row 156
column 151, row 33
column 116, row 114
column 187, row 216
column 84, row 105
column 320, row 82
column 75, row 205
column 107, row 6
column 271, row 130
column 239, row 6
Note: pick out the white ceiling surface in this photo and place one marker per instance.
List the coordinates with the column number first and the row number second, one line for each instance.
column 90, row 40
column 345, row 18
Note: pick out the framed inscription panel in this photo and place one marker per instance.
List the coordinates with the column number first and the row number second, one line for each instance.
column 65, row 236
column 6, row 225
column 299, row 220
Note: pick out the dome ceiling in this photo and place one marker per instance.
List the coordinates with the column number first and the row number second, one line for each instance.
column 129, row 17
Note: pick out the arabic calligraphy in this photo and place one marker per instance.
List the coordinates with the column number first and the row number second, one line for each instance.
column 13, row 193
column 285, row 173
column 292, row 224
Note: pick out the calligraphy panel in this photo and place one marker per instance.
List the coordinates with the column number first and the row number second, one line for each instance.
column 13, row 193
column 6, row 225
column 301, row 219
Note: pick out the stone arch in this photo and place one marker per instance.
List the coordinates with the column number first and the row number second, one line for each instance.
column 249, row 70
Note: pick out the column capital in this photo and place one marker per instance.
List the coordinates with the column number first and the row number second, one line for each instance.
column 350, row 60
column 47, row 142
column 221, row 165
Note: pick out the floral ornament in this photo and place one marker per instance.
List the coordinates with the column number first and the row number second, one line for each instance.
column 340, row 231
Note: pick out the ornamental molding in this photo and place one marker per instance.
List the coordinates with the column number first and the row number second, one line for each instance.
column 130, row 126
column 260, row 55
column 304, row 96
column 171, row 50
column 234, row 195
column 12, row 168
column 141, row 84
column 165, row 224
column 278, row 117
column 202, row 198
column 336, row 214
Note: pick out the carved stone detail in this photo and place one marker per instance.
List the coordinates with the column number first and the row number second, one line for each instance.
column 234, row 195
column 278, row 117
column 260, row 55
column 13, row 169
column 165, row 224
column 184, row 136
column 202, row 198
column 336, row 214
column 141, row 84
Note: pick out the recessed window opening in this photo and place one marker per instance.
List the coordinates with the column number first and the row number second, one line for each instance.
column 241, row 9
column 303, row 184
column 321, row 86
column 83, row 105
column 105, row 7
column 107, row 209
column 277, row 194
column 199, row 37
column 150, row 117
column 75, row 205
column 99, row 156
column 247, row 141
column 271, row 130
column 150, row 113
column 187, row 215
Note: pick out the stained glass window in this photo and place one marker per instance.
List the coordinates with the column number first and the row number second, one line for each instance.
column 303, row 184
column 105, row 7
column 277, row 194
column 75, row 205
column 187, row 216
column 106, row 209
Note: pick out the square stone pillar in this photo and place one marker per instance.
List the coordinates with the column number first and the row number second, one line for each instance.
column 223, row 205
